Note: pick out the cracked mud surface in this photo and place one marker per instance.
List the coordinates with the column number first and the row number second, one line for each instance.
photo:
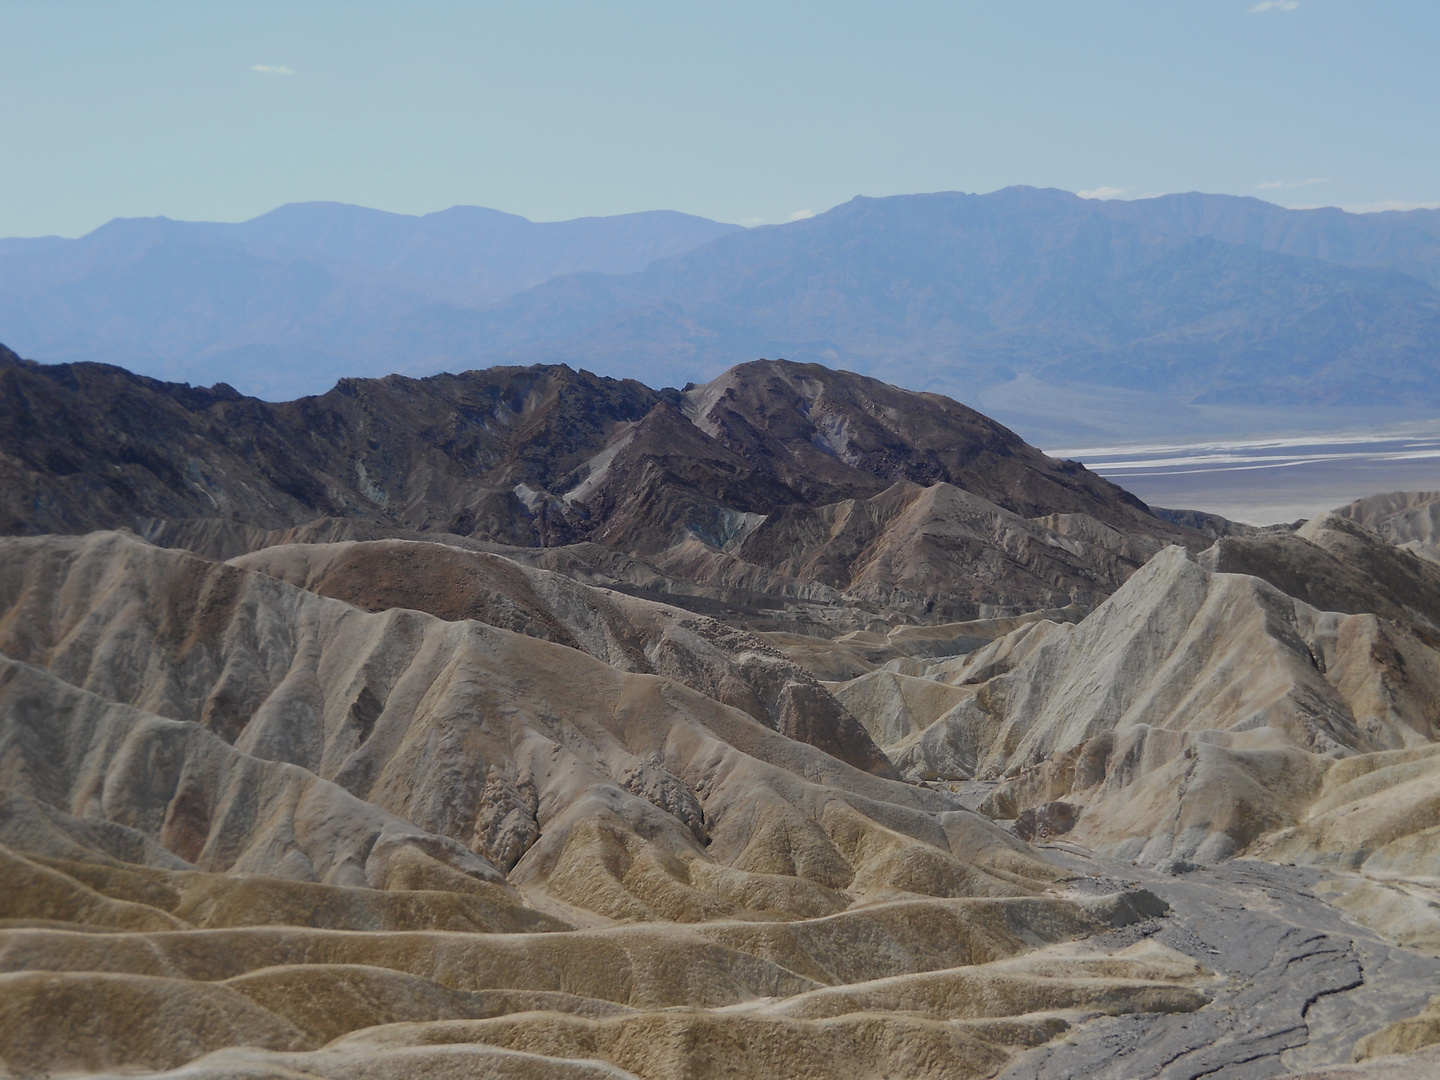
column 1301, row 982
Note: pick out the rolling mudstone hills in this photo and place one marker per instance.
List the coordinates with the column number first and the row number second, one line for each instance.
column 526, row 723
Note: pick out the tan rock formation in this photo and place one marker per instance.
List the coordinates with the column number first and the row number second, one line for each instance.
column 1187, row 716
column 244, row 814
column 1407, row 519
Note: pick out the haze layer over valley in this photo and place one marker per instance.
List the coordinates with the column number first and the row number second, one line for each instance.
column 526, row 722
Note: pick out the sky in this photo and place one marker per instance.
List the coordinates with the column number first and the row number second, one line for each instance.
column 742, row 112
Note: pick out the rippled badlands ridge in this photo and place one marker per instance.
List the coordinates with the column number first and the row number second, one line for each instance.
column 775, row 732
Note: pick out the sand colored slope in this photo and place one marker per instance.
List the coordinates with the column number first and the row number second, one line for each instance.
column 1403, row 1036
column 37, row 893
column 763, row 1042
column 656, row 1046
column 1189, row 714
column 198, row 797
column 89, row 1022
column 944, row 1023
column 898, row 706
column 632, row 634
column 638, row 966
column 1375, row 813
column 229, row 897
column 421, row 894
column 661, row 1045
column 626, row 794
column 903, row 649
column 1407, row 519
column 568, row 995
column 266, row 832
column 464, row 1062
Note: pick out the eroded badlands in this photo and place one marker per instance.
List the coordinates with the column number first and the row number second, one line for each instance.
column 743, row 746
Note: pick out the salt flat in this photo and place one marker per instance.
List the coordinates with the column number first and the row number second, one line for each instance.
column 1264, row 480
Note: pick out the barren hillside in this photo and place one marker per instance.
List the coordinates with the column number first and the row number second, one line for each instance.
column 528, row 724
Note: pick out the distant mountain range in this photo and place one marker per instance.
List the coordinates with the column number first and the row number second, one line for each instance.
column 291, row 301
column 1193, row 298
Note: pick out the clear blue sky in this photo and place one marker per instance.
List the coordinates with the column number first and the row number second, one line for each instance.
column 737, row 111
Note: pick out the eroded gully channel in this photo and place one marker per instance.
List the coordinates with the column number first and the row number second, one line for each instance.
column 1302, row 981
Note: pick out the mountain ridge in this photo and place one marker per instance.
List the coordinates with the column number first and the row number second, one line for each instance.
column 312, row 280
column 958, row 289
column 776, row 480
column 1190, row 298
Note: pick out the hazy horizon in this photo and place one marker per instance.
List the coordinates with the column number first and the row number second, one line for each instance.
column 1360, row 209
column 747, row 114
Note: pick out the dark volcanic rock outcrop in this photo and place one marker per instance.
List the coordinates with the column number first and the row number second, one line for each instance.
column 765, row 478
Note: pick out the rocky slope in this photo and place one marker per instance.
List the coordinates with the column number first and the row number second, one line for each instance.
column 1336, row 563
column 1187, row 716
column 778, row 482
column 215, row 771
column 1408, row 519
column 791, row 724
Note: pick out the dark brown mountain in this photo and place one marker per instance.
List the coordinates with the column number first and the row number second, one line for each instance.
column 772, row 476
